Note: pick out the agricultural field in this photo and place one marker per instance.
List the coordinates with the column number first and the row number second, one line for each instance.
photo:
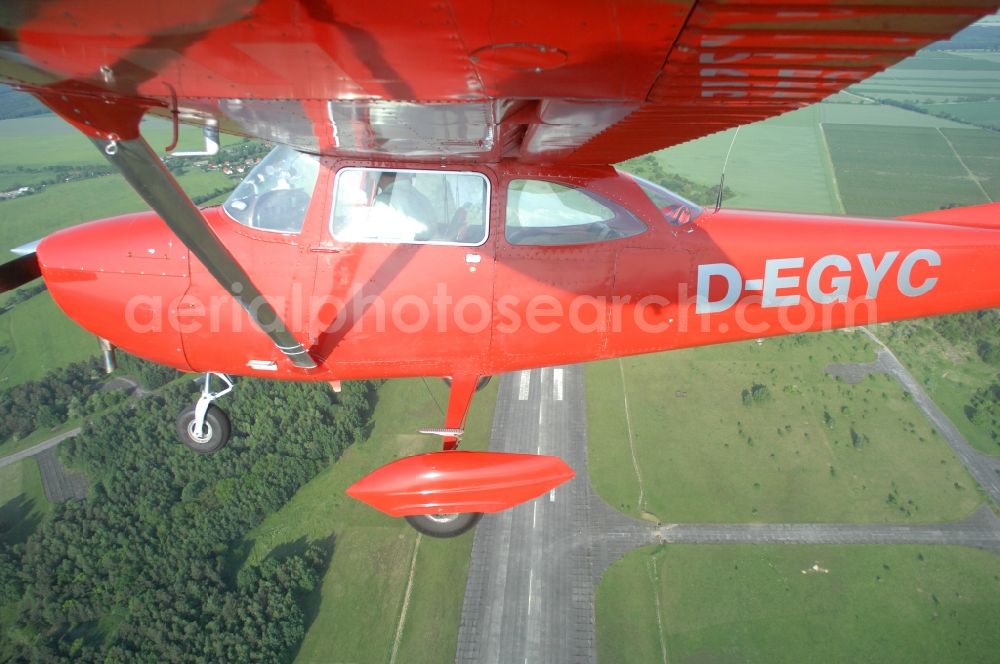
column 766, row 157
column 355, row 614
column 763, row 603
column 935, row 76
column 815, row 450
column 891, row 171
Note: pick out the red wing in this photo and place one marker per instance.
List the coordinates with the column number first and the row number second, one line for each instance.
column 584, row 81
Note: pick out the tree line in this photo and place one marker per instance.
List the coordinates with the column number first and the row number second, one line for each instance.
column 140, row 571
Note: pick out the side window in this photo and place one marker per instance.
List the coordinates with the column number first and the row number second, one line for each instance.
column 546, row 213
column 413, row 207
column 276, row 194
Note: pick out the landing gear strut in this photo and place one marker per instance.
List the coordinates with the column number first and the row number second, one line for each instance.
column 204, row 427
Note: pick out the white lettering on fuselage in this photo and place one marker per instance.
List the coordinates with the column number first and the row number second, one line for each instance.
column 827, row 280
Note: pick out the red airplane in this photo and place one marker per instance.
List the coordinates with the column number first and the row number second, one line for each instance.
column 441, row 202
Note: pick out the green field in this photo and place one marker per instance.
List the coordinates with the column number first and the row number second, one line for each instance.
column 977, row 112
column 764, row 603
column 58, row 206
column 22, row 501
column 891, row 171
column 355, row 613
column 935, row 76
column 766, row 158
column 880, row 115
column 36, row 337
column 46, row 140
column 705, row 456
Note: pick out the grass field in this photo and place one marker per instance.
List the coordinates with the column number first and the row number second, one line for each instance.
column 356, row 612
column 879, row 115
column 890, row 171
column 754, row 604
column 58, row 206
column 36, row 337
column 22, row 502
column 766, row 158
column 45, row 140
column 705, row 456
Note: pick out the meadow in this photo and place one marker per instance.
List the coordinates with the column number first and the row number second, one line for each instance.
column 817, row 450
column 36, row 337
column 765, row 603
column 356, row 613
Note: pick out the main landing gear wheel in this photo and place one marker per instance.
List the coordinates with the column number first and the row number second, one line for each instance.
column 214, row 434
column 444, row 525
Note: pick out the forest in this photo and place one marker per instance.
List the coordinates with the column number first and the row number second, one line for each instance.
column 148, row 567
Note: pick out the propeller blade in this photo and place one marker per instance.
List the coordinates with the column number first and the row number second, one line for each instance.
column 18, row 272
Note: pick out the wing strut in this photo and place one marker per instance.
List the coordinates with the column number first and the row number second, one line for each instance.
column 153, row 182
column 112, row 124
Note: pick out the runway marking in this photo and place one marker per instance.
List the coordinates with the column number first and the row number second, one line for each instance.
column 525, row 387
column 531, row 583
column 552, row 495
column 534, row 516
column 557, row 383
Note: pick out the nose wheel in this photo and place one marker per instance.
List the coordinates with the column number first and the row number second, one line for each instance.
column 204, row 427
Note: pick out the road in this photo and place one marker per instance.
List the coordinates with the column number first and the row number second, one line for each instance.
column 39, row 448
column 530, row 592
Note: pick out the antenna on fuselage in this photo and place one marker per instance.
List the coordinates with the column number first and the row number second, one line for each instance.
column 722, row 180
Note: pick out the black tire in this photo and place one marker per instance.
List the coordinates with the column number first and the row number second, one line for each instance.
column 217, row 429
column 480, row 384
column 444, row 525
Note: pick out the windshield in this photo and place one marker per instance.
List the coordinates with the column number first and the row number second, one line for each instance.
column 276, row 194
column 677, row 211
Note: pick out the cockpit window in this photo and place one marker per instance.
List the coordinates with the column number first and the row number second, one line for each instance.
column 546, row 213
column 676, row 211
column 276, row 194
column 410, row 206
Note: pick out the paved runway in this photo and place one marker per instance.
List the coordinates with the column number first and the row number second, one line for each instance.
column 534, row 569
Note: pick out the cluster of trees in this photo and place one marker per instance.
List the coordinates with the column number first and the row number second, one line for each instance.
column 941, row 113
column 149, row 374
column 978, row 326
column 757, row 393
column 649, row 168
column 25, row 293
column 140, row 572
column 984, row 409
column 59, row 173
column 50, row 401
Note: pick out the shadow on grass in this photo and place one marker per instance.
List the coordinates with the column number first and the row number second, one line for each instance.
column 18, row 519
